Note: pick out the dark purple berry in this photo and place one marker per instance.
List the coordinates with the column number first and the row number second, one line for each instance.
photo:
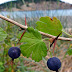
column 54, row 64
column 14, row 52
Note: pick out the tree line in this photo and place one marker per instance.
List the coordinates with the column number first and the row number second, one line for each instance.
column 36, row 1
column 18, row 3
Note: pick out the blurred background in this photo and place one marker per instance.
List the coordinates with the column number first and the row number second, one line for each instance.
column 33, row 10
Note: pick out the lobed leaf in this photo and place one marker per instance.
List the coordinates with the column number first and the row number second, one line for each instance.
column 50, row 26
column 33, row 45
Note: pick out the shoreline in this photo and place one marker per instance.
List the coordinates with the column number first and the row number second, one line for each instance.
column 34, row 10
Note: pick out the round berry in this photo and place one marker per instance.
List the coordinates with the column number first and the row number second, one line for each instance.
column 14, row 52
column 54, row 63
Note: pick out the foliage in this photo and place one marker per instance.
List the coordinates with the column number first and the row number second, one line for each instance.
column 3, row 34
column 50, row 26
column 1, row 67
column 69, row 51
column 33, row 45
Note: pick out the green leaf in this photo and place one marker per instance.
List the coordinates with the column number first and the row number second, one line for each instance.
column 50, row 26
column 69, row 51
column 0, row 46
column 33, row 45
column 3, row 34
column 1, row 67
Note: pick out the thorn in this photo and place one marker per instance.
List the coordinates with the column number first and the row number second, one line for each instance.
column 54, row 45
column 22, row 36
column 25, row 21
column 24, row 31
column 55, row 39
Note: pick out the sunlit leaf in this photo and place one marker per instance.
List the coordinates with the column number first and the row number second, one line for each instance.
column 33, row 45
column 50, row 26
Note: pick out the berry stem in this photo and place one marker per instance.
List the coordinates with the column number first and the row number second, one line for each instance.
column 12, row 59
column 57, row 71
column 12, row 62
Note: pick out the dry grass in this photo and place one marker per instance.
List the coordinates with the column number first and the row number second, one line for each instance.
column 60, row 53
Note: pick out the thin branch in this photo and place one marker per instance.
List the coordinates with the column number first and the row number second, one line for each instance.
column 13, row 22
column 25, row 27
column 59, row 38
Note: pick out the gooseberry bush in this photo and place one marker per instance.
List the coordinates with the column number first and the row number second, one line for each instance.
column 32, row 44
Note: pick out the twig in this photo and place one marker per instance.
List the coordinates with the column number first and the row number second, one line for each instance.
column 25, row 27
column 13, row 22
column 59, row 38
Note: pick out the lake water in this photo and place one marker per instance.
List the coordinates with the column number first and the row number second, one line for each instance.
column 38, row 13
